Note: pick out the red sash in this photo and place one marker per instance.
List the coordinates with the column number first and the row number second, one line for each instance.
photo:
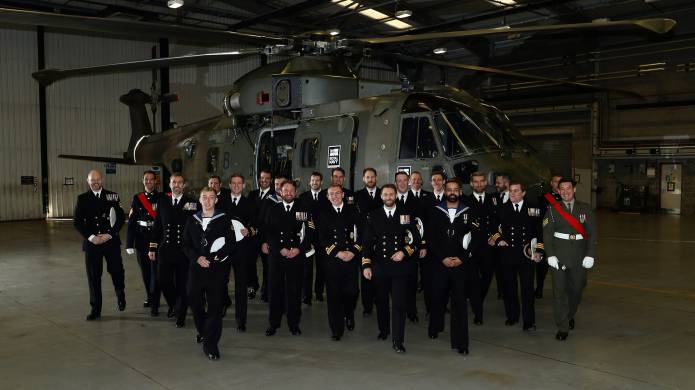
column 148, row 206
column 565, row 215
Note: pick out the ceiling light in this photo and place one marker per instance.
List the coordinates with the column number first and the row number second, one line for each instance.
column 439, row 50
column 372, row 14
column 333, row 32
column 404, row 13
column 175, row 3
column 502, row 3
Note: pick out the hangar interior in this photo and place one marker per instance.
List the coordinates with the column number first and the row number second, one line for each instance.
column 627, row 139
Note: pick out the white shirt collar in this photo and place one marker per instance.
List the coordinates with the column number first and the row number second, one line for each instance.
column 316, row 192
column 338, row 207
column 521, row 205
column 285, row 204
column 416, row 192
column 237, row 197
column 174, row 196
column 391, row 209
column 97, row 193
column 439, row 194
column 505, row 196
column 404, row 195
column 263, row 192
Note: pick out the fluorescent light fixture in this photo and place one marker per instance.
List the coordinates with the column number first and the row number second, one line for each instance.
column 403, row 13
column 175, row 3
column 333, row 32
column 439, row 50
column 373, row 14
column 502, row 3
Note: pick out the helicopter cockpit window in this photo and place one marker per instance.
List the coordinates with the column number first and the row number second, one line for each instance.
column 213, row 154
column 417, row 140
column 461, row 135
column 310, row 152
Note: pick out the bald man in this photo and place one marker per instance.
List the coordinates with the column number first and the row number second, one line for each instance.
column 98, row 218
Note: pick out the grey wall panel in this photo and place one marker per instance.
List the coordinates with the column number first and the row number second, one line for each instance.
column 19, row 126
column 375, row 70
column 85, row 117
column 201, row 89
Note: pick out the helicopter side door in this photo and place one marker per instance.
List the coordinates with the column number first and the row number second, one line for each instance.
column 275, row 150
column 418, row 149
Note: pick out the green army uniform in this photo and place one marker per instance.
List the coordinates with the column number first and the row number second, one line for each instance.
column 564, row 242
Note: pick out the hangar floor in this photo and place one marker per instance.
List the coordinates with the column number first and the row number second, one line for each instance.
column 635, row 329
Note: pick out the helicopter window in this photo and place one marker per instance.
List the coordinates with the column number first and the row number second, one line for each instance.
column 310, row 152
column 275, row 152
column 213, row 154
column 461, row 135
column 417, row 140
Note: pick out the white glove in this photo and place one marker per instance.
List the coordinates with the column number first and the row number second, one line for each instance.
column 553, row 262
column 130, row 251
column 588, row 262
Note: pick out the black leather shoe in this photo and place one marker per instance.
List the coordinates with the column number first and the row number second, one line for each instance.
column 561, row 336
column 463, row 351
column 433, row 335
column 366, row 313
column 251, row 293
column 510, row 322
column 382, row 336
column 412, row 317
column 146, row 303
column 295, row 331
column 93, row 316
column 350, row 322
column 571, row 323
column 171, row 312
column 398, row 347
column 214, row 355
column 539, row 294
column 121, row 301
column 477, row 321
column 198, row 338
column 241, row 327
column 154, row 312
column 270, row 331
column 180, row 323
column 529, row 328
column 335, row 337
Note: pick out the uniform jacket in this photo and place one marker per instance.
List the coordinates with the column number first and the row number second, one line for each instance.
column 198, row 242
column 92, row 215
column 140, row 222
column 446, row 236
column 366, row 203
column 485, row 214
column 348, row 197
column 385, row 236
column 518, row 229
column 285, row 229
column 171, row 221
column 570, row 252
column 340, row 231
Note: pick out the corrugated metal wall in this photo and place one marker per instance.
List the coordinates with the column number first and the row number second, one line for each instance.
column 85, row 117
column 19, row 126
column 374, row 70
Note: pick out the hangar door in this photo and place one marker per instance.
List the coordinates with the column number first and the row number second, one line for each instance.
column 555, row 150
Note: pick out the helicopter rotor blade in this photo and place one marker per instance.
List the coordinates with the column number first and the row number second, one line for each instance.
column 513, row 74
column 659, row 26
column 48, row 76
column 133, row 28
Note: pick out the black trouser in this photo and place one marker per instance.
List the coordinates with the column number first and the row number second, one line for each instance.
column 285, row 289
column 426, row 279
column 240, row 263
column 541, row 272
column 308, row 278
column 487, row 263
column 264, row 271
column 251, row 266
column 93, row 254
column 341, row 292
column 148, row 271
column 518, row 275
column 472, row 272
column 207, row 284
column 411, row 291
column 320, row 281
column 454, row 280
column 397, row 287
column 499, row 270
column 368, row 294
column 173, row 278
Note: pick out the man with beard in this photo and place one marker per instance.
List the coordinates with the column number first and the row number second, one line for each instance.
column 452, row 233
column 215, row 182
column 257, row 197
column 338, row 235
column 143, row 211
column 167, row 245
column 368, row 199
column 239, row 208
column 502, row 195
column 544, row 202
column 520, row 241
column 391, row 239
column 289, row 230
column 98, row 218
column 266, row 205
column 407, row 201
column 312, row 198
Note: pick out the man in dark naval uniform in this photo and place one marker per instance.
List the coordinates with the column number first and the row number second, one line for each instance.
column 391, row 240
column 407, row 200
column 520, row 239
column 167, row 242
column 257, row 197
column 338, row 237
column 311, row 198
column 368, row 199
column 263, row 218
column 98, row 218
column 452, row 233
column 143, row 210
column 544, row 202
column 289, row 231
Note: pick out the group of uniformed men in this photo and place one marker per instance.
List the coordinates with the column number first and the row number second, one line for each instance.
column 388, row 243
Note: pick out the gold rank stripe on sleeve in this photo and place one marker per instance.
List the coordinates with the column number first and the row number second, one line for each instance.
column 311, row 224
column 253, row 231
column 495, row 236
column 153, row 245
column 366, row 261
column 540, row 246
column 329, row 249
column 476, row 224
column 546, row 221
column 359, row 248
column 410, row 250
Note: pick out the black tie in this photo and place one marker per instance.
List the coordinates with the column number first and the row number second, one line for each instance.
column 480, row 199
column 439, row 198
column 569, row 207
column 402, row 198
column 176, row 202
column 316, row 196
column 389, row 214
column 371, row 194
column 235, row 200
column 517, row 207
column 288, row 208
column 338, row 210
column 417, row 195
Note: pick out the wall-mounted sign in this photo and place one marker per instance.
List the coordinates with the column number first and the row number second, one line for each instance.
column 27, row 180
column 110, row 168
column 333, row 156
column 69, row 181
column 404, row 168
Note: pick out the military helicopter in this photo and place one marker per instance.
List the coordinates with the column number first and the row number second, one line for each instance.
column 311, row 112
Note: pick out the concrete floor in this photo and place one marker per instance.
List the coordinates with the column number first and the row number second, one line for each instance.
column 635, row 329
